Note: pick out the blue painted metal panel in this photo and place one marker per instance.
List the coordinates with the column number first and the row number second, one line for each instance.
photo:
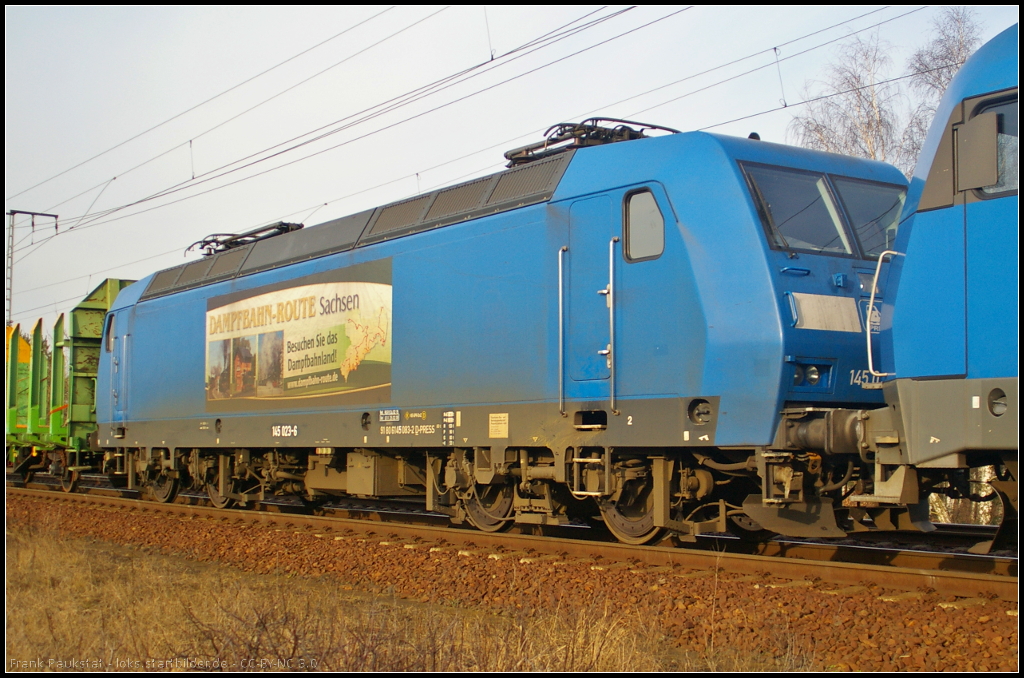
column 728, row 251
column 928, row 322
column 992, row 288
column 481, row 332
column 590, row 232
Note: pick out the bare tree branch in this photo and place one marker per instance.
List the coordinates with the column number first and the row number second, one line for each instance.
column 957, row 35
column 867, row 117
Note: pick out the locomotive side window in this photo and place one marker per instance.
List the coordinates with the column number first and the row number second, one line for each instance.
column 108, row 334
column 1007, row 153
column 797, row 210
column 644, row 226
column 873, row 210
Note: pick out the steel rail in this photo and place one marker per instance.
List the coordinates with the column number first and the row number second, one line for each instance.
column 937, row 574
column 388, row 510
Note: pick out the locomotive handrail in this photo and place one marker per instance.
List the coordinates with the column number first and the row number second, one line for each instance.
column 871, row 307
column 611, row 319
column 793, row 310
column 561, row 329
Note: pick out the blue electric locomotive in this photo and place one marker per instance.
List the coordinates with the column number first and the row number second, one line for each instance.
column 948, row 340
column 665, row 332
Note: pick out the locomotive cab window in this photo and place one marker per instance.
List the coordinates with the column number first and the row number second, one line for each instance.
column 873, row 210
column 644, row 226
column 108, row 334
column 823, row 213
column 797, row 210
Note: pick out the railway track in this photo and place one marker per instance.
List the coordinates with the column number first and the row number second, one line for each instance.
column 951, row 537
column 953, row 574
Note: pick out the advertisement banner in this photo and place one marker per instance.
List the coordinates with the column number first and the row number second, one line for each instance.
column 320, row 343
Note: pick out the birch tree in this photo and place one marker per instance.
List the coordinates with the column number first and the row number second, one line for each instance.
column 863, row 108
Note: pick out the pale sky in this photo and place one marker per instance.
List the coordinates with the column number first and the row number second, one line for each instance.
column 80, row 81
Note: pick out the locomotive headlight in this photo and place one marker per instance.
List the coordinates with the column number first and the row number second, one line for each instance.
column 812, row 375
column 798, row 375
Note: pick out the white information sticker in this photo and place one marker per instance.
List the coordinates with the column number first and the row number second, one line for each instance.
column 497, row 425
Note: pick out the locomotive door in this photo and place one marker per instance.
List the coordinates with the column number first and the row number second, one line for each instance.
column 117, row 344
column 588, row 339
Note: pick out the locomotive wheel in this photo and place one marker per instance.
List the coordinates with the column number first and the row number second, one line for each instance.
column 69, row 481
column 490, row 507
column 213, row 492
column 631, row 518
column 164, row 488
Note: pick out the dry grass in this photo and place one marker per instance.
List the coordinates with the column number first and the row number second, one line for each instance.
column 77, row 604
column 112, row 607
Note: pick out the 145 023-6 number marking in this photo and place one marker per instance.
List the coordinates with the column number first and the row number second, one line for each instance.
column 861, row 377
column 284, row 431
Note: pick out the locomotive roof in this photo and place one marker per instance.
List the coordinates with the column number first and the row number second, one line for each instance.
column 520, row 186
column 500, row 192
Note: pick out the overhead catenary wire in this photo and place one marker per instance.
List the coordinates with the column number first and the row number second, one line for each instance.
column 105, row 270
column 695, row 75
column 525, row 135
column 379, row 42
column 499, row 144
column 547, row 39
column 21, row 314
column 378, row 110
column 734, row 77
column 773, row 63
column 376, row 131
column 749, row 56
column 824, row 96
column 182, row 185
column 200, row 104
column 190, row 141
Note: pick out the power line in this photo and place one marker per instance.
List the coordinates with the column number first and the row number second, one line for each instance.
column 251, row 108
column 189, row 110
column 344, row 143
column 628, row 116
column 182, row 144
column 105, row 270
column 823, row 97
column 500, row 144
column 410, row 97
column 773, row 63
column 181, row 187
column 319, row 73
column 22, row 314
column 384, row 107
column 745, row 58
column 635, row 96
column 622, row 100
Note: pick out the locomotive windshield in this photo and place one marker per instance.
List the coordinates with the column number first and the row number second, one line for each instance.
column 800, row 210
column 873, row 210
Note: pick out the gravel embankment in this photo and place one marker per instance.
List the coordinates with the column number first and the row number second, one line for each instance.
column 830, row 627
